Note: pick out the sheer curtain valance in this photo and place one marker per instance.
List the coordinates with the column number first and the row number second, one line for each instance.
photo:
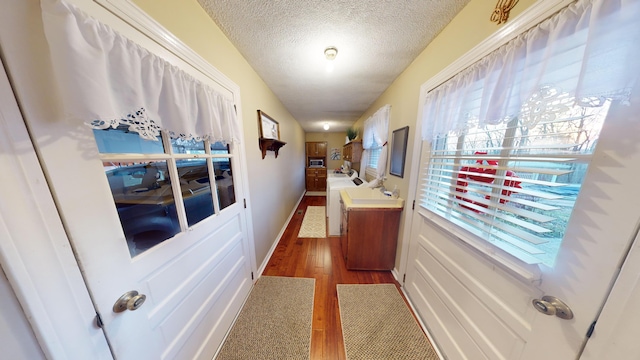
column 106, row 80
column 376, row 134
column 588, row 52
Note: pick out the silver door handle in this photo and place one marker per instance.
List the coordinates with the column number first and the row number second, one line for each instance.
column 551, row 305
column 130, row 300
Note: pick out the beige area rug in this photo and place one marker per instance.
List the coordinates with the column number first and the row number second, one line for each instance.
column 314, row 223
column 377, row 324
column 274, row 323
column 316, row 193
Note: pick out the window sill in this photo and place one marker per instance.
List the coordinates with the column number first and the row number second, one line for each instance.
column 530, row 273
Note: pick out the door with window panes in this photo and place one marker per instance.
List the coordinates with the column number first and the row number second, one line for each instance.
column 522, row 220
column 162, row 217
column 509, row 214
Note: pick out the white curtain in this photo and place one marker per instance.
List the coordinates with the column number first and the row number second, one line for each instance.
column 376, row 134
column 106, row 80
column 587, row 51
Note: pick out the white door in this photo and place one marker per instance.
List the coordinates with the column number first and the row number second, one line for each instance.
column 477, row 306
column 195, row 281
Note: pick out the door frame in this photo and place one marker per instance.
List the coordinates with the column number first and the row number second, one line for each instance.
column 47, row 283
column 59, row 317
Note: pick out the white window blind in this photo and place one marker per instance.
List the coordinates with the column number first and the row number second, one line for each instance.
column 511, row 184
column 511, row 136
column 374, row 155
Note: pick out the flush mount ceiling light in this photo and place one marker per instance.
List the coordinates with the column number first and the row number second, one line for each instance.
column 331, row 52
column 326, row 126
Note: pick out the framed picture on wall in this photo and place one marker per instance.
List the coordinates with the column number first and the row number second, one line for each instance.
column 269, row 128
column 398, row 151
column 335, row 154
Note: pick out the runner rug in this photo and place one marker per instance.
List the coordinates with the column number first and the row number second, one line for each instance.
column 314, row 223
column 377, row 324
column 274, row 323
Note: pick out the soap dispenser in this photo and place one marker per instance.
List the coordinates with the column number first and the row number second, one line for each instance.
column 395, row 193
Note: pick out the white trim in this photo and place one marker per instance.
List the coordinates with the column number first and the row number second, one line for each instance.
column 536, row 13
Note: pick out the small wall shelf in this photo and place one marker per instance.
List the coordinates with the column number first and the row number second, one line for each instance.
column 271, row 145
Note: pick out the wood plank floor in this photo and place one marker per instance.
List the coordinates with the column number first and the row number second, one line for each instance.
column 320, row 258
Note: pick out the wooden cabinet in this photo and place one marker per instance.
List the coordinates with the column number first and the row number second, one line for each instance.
column 352, row 151
column 316, row 179
column 317, row 149
column 369, row 237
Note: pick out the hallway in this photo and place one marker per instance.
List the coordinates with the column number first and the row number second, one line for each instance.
column 320, row 258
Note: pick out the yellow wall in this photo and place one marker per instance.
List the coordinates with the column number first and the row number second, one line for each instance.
column 334, row 141
column 470, row 27
column 271, row 192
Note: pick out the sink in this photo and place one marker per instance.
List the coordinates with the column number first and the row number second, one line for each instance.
column 366, row 196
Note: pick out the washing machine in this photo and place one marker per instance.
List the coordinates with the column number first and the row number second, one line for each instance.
column 337, row 176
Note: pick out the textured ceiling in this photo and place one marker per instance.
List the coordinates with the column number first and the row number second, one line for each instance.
column 284, row 41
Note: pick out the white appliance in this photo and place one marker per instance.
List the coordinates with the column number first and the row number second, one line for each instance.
column 334, row 176
column 333, row 201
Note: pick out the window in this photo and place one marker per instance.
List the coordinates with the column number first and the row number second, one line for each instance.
column 515, row 184
column 152, row 208
column 374, row 155
column 510, row 137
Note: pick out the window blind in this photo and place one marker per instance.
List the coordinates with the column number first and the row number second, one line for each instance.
column 374, row 155
column 511, row 136
column 514, row 184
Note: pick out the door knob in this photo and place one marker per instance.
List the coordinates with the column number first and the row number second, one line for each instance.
column 130, row 300
column 551, row 305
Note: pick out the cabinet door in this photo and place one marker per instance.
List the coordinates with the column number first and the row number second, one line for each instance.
column 372, row 238
column 311, row 179
column 347, row 152
column 355, row 152
column 311, row 149
column 321, row 176
column 321, row 149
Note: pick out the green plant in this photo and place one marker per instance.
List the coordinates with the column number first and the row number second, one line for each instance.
column 352, row 133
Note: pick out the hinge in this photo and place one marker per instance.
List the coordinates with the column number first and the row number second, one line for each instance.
column 99, row 322
column 252, row 275
column 413, row 207
column 245, row 203
column 404, row 277
column 591, row 328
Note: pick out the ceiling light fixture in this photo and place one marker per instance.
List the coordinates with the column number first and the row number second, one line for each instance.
column 326, row 126
column 331, row 52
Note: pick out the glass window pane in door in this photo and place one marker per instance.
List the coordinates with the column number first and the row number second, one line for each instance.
column 145, row 203
column 196, row 189
column 123, row 141
column 181, row 146
column 224, row 181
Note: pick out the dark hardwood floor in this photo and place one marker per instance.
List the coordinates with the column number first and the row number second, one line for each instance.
column 320, row 258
